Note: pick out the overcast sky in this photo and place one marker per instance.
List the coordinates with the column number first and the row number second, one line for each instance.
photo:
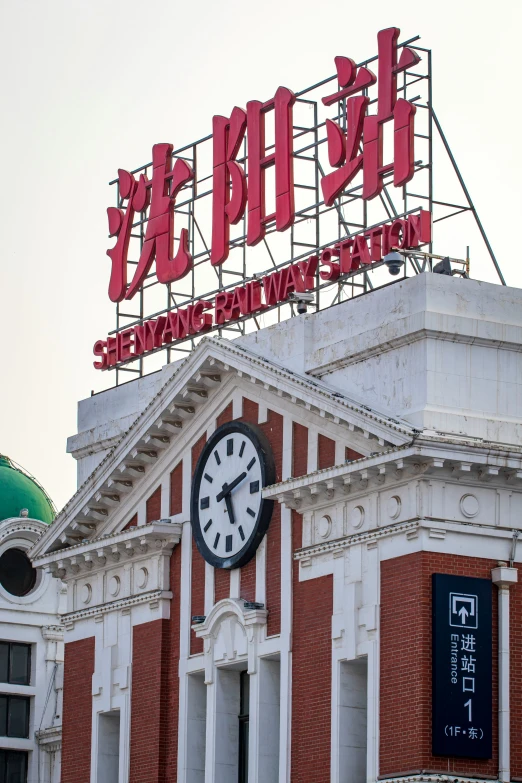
column 88, row 87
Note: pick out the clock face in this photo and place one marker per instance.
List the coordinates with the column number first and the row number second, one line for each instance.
column 229, row 516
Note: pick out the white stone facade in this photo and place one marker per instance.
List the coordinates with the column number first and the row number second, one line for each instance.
column 424, row 380
column 35, row 619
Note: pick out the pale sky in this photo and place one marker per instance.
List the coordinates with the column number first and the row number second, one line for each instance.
column 88, row 87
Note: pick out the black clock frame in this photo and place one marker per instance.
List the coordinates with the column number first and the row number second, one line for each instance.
column 268, row 476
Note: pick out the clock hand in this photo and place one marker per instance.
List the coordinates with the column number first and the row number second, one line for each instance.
column 236, row 481
column 227, row 488
column 223, row 493
column 228, row 502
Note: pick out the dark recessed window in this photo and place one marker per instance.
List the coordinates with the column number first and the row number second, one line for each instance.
column 13, row 766
column 15, row 663
column 244, row 720
column 14, row 716
column 17, row 575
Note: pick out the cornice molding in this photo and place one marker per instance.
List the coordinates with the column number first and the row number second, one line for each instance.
column 339, row 544
column 424, row 332
column 153, row 598
column 50, row 739
column 433, row 777
column 444, row 460
column 133, row 544
column 435, row 528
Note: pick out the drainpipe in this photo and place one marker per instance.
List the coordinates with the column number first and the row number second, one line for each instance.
column 503, row 576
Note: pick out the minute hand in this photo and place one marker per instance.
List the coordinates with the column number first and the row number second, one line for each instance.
column 227, row 488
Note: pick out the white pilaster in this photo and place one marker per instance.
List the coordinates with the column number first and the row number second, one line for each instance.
column 504, row 577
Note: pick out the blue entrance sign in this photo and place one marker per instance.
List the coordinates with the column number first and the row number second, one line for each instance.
column 462, row 655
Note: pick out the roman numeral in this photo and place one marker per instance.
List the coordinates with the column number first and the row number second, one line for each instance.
column 216, row 540
column 218, row 460
column 204, row 503
column 209, row 478
column 228, row 544
column 251, row 463
column 252, row 513
column 207, row 525
column 230, row 447
column 254, row 487
column 240, row 529
column 241, row 450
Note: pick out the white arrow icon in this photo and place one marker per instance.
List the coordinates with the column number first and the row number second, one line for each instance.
column 463, row 607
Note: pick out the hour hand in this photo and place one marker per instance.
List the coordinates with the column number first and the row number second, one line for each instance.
column 228, row 503
column 225, row 490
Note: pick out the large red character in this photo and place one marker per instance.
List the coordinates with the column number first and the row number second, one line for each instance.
column 160, row 194
column 344, row 150
column 231, row 194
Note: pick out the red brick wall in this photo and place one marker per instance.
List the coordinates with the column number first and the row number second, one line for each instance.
column 311, row 672
column 221, row 576
column 299, row 449
column 406, row 691
column 221, row 584
column 77, row 711
column 325, row 452
column 155, row 692
column 170, row 676
column 153, row 508
column 250, row 411
column 247, row 587
column 148, row 701
column 132, row 522
column 225, row 415
column 197, row 605
column 515, row 640
column 176, row 489
column 273, row 429
column 351, row 454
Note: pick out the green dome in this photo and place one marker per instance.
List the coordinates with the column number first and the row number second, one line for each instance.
column 18, row 491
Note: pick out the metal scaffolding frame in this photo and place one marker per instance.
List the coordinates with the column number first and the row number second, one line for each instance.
column 316, row 225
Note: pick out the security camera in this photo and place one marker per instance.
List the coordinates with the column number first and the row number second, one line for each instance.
column 393, row 261
column 303, row 300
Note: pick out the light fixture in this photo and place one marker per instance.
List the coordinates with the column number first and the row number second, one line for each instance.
column 443, row 267
column 253, row 605
column 197, row 619
column 393, row 261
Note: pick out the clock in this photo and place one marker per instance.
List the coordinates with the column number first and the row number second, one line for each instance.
column 229, row 515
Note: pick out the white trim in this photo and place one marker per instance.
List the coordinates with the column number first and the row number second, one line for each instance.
column 504, row 577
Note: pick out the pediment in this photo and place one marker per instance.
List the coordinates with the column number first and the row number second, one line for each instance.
column 181, row 411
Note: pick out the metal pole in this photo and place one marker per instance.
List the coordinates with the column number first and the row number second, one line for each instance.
column 468, row 197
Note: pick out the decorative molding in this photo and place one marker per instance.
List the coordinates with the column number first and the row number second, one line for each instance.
column 23, row 526
column 153, row 598
column 422, row 777
column 178, row 403
column 50, row 739
column 130, row 545
column 346, row 542
column 383, row 471
column 219, row 633
column 52, row 633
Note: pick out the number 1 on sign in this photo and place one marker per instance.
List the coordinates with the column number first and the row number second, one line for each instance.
column 468, row 705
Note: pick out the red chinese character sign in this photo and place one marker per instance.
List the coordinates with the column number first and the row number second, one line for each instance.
column 366, row 130
column 231, row 193
column 303, row 194
column 159, row 196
